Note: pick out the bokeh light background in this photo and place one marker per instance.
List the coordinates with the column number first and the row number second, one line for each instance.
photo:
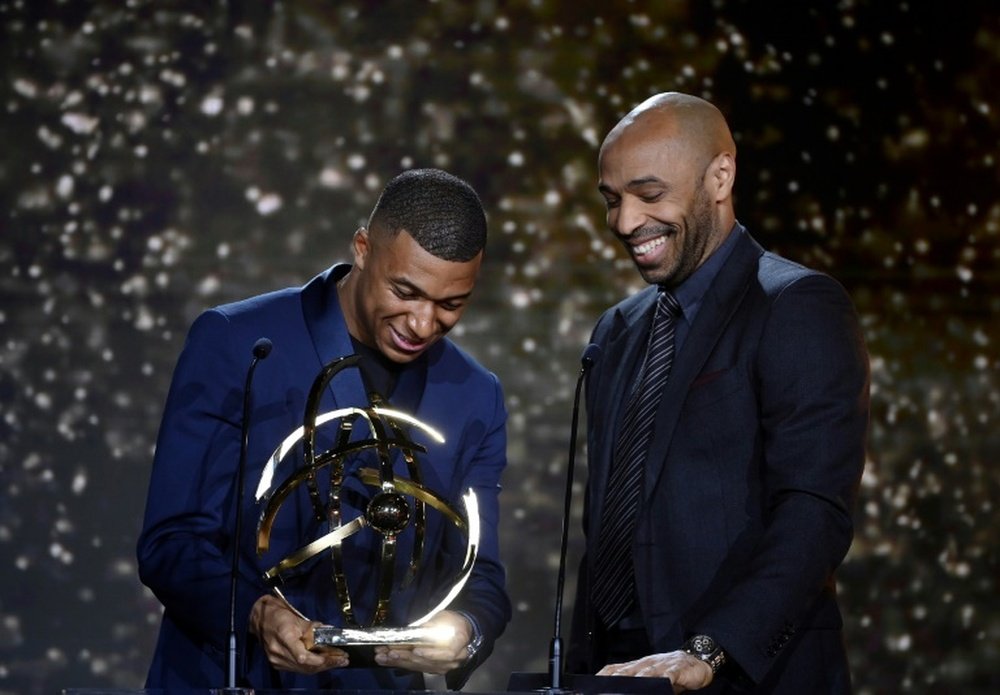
column 162, row 157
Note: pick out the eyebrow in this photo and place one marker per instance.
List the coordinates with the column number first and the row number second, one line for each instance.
column 634, row 183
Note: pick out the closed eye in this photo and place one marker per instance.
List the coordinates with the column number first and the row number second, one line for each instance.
column 412, row 294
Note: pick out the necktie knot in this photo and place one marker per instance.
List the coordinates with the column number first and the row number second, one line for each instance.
column 667, row 304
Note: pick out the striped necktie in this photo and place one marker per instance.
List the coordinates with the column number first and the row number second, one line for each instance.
column 613, row 589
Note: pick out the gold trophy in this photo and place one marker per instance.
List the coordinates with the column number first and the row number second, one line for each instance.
column 397, row 503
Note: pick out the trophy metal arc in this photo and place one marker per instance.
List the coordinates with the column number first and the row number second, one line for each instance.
column 388, row 512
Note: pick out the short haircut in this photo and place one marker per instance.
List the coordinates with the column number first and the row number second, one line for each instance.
column 440, row 211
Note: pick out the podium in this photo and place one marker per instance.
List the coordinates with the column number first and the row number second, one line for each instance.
column 245, row 691
column 238, row 691
column 589, row 685
column 519, row 683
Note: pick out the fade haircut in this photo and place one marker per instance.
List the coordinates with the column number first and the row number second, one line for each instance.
column 440, row 211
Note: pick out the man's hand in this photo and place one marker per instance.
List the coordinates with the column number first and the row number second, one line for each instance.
column 282, row 633
column 438, row 658
column 686, row 672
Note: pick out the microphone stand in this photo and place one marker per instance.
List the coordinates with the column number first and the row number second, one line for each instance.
column 261, row 349
column 578, row 683
column 555, row 646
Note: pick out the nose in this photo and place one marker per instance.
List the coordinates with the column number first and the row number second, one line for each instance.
column 422, row 319
column 626, row 218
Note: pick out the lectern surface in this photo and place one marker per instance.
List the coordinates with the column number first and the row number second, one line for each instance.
column 587, row 684
column 247, row 691
column 527, row 683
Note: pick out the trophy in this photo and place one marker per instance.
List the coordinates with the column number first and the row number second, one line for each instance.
column 396, row 504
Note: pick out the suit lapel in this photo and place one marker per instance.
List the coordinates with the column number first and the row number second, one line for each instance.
column 720, row 302
column 326, row 325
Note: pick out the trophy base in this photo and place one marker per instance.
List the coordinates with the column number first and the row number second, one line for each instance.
column 346, row 637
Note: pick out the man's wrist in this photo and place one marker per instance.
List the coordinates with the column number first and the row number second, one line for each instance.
column 257, row 615
column 706, row 649
column 476, row 640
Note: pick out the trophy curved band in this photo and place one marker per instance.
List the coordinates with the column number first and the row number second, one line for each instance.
column 367, row 476
column 267, row 474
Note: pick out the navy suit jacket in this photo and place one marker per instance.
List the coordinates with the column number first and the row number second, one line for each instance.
column 750, row 477
column 185, row 547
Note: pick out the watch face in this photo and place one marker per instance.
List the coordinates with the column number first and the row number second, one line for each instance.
column 703, row 644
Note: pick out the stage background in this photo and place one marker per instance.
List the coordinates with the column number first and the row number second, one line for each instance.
column 163, row 157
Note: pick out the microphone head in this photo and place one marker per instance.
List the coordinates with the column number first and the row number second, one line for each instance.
column 262, row 348
column 590, row 355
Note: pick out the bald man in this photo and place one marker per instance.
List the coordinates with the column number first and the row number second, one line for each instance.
column 726, row 433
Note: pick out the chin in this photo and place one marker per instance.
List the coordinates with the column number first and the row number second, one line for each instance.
column 400, row 357
column 654, row 276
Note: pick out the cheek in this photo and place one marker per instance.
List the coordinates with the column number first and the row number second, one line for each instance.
column 669, row 214
column 447, row 319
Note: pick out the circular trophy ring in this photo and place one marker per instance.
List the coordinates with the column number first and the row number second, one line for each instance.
column 388, row 514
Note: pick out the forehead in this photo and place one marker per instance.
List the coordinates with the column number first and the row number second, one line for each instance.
column 641, row 151
column 402, row 259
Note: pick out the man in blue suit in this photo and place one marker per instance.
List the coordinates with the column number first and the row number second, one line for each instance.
column 740, row 506
column 415, row 266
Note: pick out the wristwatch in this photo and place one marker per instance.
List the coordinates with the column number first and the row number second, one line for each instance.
column 705, row 648
column 472, row 648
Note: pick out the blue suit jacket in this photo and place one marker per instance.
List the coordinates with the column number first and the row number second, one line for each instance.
column 751, row 474
column 184, row 550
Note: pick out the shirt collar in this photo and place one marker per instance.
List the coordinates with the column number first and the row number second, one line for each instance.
column 690, row 292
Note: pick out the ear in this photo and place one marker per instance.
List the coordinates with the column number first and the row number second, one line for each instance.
column 721, row 176
column 361, row 246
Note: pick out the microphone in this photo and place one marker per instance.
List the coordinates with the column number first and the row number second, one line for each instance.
column 590, row 356
column 261, row 349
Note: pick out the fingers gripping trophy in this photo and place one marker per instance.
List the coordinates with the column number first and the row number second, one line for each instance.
column 367, row 440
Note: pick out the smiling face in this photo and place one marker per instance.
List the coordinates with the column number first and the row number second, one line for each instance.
column 667, row 192
column 401, row 299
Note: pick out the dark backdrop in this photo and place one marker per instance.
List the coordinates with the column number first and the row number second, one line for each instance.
column 162, row 157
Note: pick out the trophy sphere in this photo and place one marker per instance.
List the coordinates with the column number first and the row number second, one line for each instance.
column 388, row 513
